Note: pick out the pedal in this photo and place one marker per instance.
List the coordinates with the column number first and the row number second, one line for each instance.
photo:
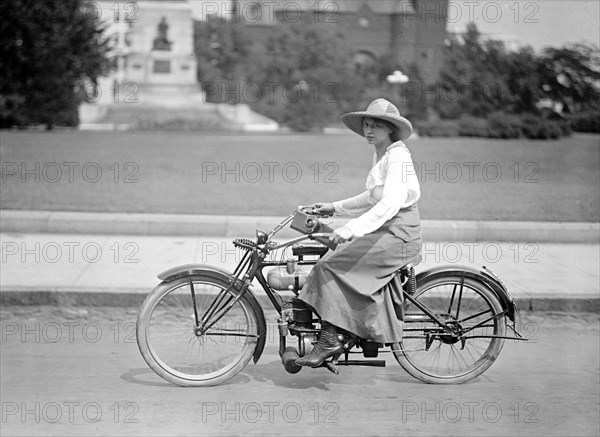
column 331, row 367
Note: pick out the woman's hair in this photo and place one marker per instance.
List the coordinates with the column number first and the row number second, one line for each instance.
column 394, row 135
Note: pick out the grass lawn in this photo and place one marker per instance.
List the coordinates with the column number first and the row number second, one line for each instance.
column 241, row 174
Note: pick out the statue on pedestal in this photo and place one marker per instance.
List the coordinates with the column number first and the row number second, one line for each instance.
column 161, row 42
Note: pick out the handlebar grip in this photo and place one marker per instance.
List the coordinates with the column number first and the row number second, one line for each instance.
column 326, row 242
column 325, row 229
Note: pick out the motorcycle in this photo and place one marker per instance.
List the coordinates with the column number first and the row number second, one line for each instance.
column 202, row 324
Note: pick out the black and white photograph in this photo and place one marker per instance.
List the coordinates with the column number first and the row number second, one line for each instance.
column 300, row 218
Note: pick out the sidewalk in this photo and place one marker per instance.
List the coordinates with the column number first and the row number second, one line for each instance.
column 58, row 222
column 119, row 270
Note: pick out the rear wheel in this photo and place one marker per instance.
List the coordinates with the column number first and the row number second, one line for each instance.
column 177, row 351
column 467, row 345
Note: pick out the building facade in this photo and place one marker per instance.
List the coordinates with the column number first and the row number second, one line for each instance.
column 406, row 31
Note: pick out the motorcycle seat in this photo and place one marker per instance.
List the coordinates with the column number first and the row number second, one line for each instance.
column 309, row 249
column 411, row 265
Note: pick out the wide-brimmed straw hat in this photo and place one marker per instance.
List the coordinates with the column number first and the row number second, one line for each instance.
column 384, row 110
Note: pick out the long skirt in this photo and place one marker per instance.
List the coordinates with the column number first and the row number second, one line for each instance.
column 356, row 288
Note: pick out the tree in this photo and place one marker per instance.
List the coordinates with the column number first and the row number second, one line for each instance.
column 523, row 81
column 306, row 75
column 47, row 49
column 473, row 78
column 222, row 50
column 571, row 75
column 481, row 76
column 300, row 75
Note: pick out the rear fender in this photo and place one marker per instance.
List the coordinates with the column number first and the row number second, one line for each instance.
column 484, row 275
column 222, row 274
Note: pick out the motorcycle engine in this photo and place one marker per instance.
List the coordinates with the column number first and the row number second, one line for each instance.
column 297, row 311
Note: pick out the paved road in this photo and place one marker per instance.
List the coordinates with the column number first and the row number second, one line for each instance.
column 77, row 371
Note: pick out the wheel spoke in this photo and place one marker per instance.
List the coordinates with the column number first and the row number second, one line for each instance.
column 451, row 300
column 481, row 323
column 474, row 316
column 462, row 283
column 194, row 301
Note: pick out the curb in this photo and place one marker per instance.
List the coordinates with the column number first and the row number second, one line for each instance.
column 61, row 222
column 24, row 296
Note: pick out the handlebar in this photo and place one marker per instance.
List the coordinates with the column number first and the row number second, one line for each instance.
column 305, row 220
column 318, row 237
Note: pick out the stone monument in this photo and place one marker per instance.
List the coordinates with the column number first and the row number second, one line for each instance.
column 155, row 82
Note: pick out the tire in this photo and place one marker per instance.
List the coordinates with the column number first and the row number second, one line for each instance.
column 166, row 333
column 447, row 360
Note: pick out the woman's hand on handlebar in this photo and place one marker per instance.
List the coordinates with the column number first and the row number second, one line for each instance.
column 322, row 209
column 341, row 235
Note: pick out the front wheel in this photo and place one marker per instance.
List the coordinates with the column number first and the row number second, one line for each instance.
column 173, row 347
column 470, row 341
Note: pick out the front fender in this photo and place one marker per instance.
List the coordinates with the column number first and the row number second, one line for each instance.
column 222, row 274
column 193, row 269
column 484, row 275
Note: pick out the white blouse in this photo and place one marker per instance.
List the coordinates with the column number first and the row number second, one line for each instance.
column 392, row 184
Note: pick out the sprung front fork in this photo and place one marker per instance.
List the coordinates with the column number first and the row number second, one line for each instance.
column 224, row 301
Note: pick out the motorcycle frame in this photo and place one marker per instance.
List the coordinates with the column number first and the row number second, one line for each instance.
column 253, row 262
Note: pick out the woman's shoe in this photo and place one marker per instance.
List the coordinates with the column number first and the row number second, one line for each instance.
column 329, row 345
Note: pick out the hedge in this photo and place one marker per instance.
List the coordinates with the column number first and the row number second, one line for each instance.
column 440, row 128
column 586, row 121
column 498, row 125
column 469, row 126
